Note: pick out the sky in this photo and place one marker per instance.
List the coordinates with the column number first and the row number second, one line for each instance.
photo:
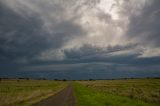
column 79, row 39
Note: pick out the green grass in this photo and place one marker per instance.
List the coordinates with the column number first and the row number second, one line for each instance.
column 88, row 97
column 147, row 90
column 27, row 92
column 132, row 92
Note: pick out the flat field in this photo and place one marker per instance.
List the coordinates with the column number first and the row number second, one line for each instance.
column 129, row 92
column 27, row 92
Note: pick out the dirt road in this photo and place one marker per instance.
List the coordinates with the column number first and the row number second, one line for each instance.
column 63, row 98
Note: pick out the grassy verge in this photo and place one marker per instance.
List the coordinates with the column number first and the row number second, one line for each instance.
column 147, row 90
column 27, row 92
column 88, row 97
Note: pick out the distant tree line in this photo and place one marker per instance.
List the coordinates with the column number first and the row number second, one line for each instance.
column 21, row 78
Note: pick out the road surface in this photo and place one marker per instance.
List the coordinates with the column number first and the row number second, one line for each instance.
column 63, row 98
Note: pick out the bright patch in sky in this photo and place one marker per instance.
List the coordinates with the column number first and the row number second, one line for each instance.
column 105, row 35
column 109, row 6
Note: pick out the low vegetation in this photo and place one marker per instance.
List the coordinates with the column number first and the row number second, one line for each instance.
column 147, row 90
column 129, row 92
column 27, row 92
column 89, row 97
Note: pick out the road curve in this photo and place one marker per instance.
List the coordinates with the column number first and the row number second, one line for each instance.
column 63, row 98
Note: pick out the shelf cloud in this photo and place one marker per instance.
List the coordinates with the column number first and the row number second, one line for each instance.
column 112, row 36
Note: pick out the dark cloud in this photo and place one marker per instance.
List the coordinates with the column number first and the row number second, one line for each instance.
column 25, row 37
column 145, row 26
column 20, row 37
column 111, row 54
column 87, row 71
column 90, row 51
column 79, row 39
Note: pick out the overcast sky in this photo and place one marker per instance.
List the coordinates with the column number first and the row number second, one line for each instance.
column 79, row 39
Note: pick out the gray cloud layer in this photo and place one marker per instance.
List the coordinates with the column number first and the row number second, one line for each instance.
column 38, row 33
column 26, row 37
column 146, row 25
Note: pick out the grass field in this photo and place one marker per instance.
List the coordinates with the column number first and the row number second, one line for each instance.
column 140, row 92
column 89, row 97
column 130, row 92
column 27, row 92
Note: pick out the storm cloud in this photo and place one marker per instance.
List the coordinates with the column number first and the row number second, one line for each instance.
column 64, row 37
column 26, row 37
column 145, row 26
